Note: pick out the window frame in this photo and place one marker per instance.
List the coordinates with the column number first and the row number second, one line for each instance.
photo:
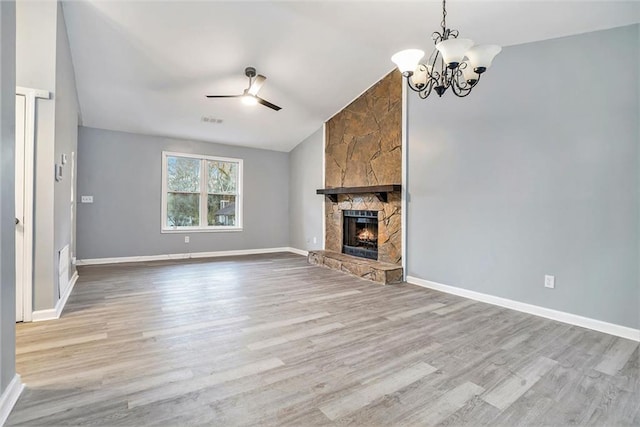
column 204, row 194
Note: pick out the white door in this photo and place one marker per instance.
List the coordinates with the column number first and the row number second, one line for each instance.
column 20, row 142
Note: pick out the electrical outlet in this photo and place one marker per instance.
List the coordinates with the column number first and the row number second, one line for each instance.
column 549, row 281
column 86, row 199
column 186, row 239
column 315, row 240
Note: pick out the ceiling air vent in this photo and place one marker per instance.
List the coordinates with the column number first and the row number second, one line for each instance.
column 209, row 119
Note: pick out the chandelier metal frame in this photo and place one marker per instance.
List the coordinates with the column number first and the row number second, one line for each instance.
column 436, row 75
column 447, row 77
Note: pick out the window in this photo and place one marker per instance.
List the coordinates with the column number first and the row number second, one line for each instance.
column 201, row 193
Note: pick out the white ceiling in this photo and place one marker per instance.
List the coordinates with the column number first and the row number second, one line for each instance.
column 144, row 66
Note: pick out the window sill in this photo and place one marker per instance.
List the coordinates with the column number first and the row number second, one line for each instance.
column 199, row 230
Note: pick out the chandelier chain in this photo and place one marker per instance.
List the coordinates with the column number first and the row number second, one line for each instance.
column 444, row 16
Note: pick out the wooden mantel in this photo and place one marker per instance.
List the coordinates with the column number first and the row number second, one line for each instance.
column 380, row 191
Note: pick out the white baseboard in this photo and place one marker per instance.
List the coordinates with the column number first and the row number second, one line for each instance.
column 42, row 315
column 63, row 298
column 298, row 251
column 166, row 257
column 560, row 316
column 55, row 313
column 9, row 398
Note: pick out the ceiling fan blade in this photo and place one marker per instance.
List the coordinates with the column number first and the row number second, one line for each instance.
column 223, row 96
column 268, row 104
column 256, row 85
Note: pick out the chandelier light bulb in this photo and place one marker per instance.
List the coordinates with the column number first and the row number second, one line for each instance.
column 407, row 60
column 453, row 50
column 470, row 76
column 480, row 57
column 420, row 75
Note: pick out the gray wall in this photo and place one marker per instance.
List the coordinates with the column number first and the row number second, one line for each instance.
column 66, row 141
column 535, row 173
column 638, row 181
column 43, row 61
column 36, row 68
column 7, row 196
column 35, row 44
column 122, row 171
column 305, row 206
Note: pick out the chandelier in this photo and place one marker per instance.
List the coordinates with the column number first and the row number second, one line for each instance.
column 455, row 63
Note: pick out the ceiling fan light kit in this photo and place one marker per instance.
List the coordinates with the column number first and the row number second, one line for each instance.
column 248, row 99
column 454, row 63
column 250, row 95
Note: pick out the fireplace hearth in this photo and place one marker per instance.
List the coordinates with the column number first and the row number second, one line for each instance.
column 360, row 233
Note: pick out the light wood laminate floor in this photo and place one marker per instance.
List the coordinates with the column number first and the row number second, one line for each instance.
column 270, row 340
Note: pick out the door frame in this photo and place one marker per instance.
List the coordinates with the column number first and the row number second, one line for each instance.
column 29, row 174
column 21, row 107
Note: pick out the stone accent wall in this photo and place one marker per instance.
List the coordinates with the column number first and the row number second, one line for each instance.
column 363, row 141
column 363, row 147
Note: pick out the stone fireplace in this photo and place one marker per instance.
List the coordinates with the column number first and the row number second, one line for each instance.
column 363, row 172
column 389, row 234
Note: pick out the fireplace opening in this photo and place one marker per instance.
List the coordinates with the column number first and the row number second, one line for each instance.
column 360, row 234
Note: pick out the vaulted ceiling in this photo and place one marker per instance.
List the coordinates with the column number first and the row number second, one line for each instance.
column 145, row 66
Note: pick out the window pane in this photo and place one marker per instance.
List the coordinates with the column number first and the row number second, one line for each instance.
column 183, row 210
column 223, row 177
column 221, row 209
column 183, row 174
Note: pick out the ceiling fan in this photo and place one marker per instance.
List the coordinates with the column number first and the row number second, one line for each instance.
column 250, row 94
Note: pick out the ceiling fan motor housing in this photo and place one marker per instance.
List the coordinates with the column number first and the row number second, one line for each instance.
column 250, row 72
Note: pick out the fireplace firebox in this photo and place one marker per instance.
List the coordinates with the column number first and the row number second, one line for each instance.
column 360, row 233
